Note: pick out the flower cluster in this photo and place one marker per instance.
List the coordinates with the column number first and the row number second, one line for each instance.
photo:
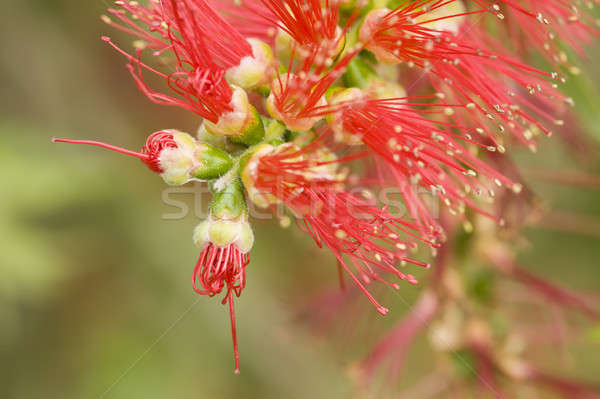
column 304, row 101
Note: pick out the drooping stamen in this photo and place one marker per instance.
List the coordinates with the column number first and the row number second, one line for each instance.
column 219, row 268
column 149, row 155
column 122, row 150
column 236, row 353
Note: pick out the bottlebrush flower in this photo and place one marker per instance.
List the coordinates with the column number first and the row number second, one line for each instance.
column 175, row 155
column 356, row 232
column 225, row 239
column 284, row 87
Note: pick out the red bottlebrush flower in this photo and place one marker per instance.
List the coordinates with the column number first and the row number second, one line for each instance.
column 219, row 268
column 469, row 66
column 356, row 232
column 412, row 151
column 197, row 40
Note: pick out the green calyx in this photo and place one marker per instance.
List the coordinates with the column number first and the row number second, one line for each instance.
column 253, row 131
column 229, row 201
column 274, row 130
column 214, row 162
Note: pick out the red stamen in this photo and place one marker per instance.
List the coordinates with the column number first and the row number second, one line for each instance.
column 219, row 268
column 236, row 353
column 150, row 154
column 122, row 150
column 356, row 232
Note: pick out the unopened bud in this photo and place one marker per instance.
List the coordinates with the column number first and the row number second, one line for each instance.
column 228, row 201
column 176, row 156
column 191, row 160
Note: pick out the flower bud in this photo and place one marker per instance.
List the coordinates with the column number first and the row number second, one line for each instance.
column 242, row 125
column 228, row 200
column 256, row 70
column 190, row 160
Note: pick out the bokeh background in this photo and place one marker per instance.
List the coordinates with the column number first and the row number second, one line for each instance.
column 95, row 296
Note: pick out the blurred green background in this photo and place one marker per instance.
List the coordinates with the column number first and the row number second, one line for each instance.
column 95, row 296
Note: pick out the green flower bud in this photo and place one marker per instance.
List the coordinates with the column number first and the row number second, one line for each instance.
column 274, row 130
column 228, row 201
column 228, row 220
